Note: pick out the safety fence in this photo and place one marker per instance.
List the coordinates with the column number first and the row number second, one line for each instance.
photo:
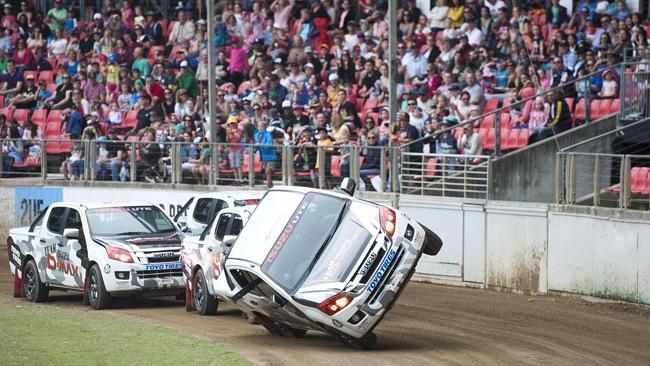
column 603, row 180
column 376, row 168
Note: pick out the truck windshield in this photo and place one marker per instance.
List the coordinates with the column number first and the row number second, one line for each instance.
column 133, row 220
column 304, row 239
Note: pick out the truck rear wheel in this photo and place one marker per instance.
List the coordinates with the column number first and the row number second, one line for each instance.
column 35, row 290
column 205, row 303
column 432, row 242
column 98, row 297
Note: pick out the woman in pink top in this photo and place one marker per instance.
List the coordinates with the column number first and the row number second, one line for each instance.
column 238, row 61
column 23, row 57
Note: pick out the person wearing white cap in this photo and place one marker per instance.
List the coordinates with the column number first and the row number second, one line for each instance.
column 333, row 88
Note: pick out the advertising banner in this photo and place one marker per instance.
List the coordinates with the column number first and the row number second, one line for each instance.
column 31, row 201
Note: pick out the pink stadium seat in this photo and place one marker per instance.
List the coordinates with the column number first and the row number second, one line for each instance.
column 615, row 106
column 39, row 117
column 579, row 114
column 638, row 178
column 491, row 105
column 46, row 75
column 20, row 115
column 336, row 166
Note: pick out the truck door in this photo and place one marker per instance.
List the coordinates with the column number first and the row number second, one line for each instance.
column 72, row 257
column 50, row 240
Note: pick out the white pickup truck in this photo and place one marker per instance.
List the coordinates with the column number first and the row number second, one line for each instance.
column 203, row 256
column 102, row 249
column 201, row 209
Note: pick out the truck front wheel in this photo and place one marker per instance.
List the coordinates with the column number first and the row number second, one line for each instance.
column 98, row 297
column 35, row 290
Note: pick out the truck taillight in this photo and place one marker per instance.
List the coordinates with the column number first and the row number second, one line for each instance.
column 119, row 254
column 387, row 220
column 335, row 303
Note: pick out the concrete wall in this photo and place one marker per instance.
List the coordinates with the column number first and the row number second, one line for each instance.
column 510, row 246
column 528, row 174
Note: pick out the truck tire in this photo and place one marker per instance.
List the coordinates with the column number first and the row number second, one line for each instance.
column 432, row 242
column 205, row 303
column 35, row 290
column 98, row 297
column 367, row 342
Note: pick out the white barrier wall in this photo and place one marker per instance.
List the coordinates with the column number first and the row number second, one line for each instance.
column 599, row 256
column 512, row 246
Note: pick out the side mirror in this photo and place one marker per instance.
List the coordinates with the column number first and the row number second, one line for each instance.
column 348, row 185
column 71, row 233
column 229, row 240
column 182, row 224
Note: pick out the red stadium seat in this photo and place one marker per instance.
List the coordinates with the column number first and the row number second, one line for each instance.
column 488, row 121
column 371, row 103
column 522, row 138
column 570, row 102
column 30, row 72
column 153, row 50
column 375, row 117
column 54, row 116
column 336, row 166
column 506, row 143
column 579, row 114
column 638, row 178
column 130, row 120
column 505, row 120
column 482, row 132
column 21, row 115
column 615, row 106
column 491, row 105
column 53, row 62
column 39, row 117
column 489, row 140
column 51, row 87
column 168, row 29
column 65, row 146
column 47, row 75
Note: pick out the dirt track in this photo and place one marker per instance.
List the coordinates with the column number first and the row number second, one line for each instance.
column 430, row 324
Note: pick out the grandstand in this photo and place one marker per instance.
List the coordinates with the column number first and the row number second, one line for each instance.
column 479, row 87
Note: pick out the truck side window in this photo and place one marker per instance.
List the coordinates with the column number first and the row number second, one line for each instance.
column 202, row 210
column 73, row 221
column 37, row 222
column 236, row 225
column 218, row 206
column 222, row 226
column 55, row 221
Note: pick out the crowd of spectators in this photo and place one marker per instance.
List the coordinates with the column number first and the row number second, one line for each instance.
column 303, row 73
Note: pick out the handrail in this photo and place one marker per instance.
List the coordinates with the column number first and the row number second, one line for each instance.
column 501, row 109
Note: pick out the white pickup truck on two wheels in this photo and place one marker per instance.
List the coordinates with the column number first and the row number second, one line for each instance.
column 105, row 250
column 320, row 260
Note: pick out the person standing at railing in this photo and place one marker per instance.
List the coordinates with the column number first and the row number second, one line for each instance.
column 236, row 154
column 341, row 134
column 372, row 159
column 264, row 144
column 470, row 141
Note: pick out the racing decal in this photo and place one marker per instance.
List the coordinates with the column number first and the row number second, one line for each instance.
column 155, row 240
column 382, row 269
column 366, row 266
column 286, row 232
column 61, row 262
column 364, row 323
column 336, row 262
column 16, row 255
column 337, row 323
column 163, row 266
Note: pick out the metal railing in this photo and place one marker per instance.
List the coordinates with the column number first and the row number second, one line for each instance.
column 447, row 175
column 635, row 91
column 603, row 180
column 519, row 105
column 377, row 168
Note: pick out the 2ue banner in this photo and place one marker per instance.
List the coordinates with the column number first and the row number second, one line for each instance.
column 31, row 201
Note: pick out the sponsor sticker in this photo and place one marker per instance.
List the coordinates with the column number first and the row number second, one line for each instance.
column 369, row 262
column 337, row 323
column 163, row 266
column 382, row 269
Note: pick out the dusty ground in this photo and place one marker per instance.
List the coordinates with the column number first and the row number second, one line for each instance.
column 430, row 324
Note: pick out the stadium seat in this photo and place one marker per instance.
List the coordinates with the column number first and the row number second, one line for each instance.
column 130, row 120
column 54, row 116
column 153, row 50
column 53, row 62
column 482, row 132
column 646, row 186
column 507, row 103
column 336, row 166
column 505, row 120
column 491, row 105
column 370, row 105
column 21, row 115
column 243, row 87
column 579, row 114
column 638, row 179
column 174, row 51
column 64, row 146
column 489, row 140
column 39, row 117
column 615, row 106
column 167, row 30
column 488, row 121
column 375, row 117
column 133, row 138
column 570, row 102
column 7, row 112
column 46, row 75
column 505, row 139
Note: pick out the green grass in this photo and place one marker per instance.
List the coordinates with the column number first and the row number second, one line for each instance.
column 47, row 335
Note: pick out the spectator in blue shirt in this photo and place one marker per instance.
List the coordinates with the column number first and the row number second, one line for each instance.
column 73, row 124
column 267, row 153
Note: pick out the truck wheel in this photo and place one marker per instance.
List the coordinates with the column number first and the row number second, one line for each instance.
column 205, row 303
column 35, row 290
column 366, row 342
column 98, row 297
column 294, row 332
column 432, row 242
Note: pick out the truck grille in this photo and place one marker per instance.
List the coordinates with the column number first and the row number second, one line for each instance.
column 388, row 275
column 164, row 273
